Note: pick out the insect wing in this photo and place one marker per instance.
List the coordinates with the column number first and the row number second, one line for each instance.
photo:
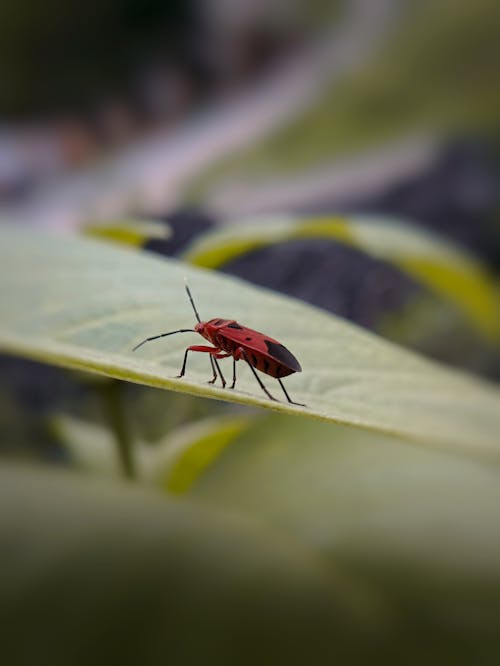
column 261, row 343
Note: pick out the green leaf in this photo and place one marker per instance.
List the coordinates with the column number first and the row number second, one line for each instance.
column 173, row 463
column 420, row 528
column 82, row 304
column 97, row 573
column 129, row 232
column 127, row 577
column 446, row 270
column 362, row 494
column 177, row 460
column 91, row 447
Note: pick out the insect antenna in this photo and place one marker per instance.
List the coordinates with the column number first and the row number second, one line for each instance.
column 163, row 335
column 192, row 302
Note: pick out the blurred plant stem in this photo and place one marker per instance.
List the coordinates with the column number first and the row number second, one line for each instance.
column 113, row 409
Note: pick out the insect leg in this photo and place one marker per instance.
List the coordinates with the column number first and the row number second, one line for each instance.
column 183, row 369
column 214, row 372
column 213, row 351
column 213, row 357
column 234, row 373
column 214, row 366
column 287, row 396
column 245, row 356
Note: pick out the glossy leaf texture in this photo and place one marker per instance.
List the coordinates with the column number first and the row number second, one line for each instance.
column 81, row 304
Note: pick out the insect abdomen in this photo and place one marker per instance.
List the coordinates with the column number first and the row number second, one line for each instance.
column 262, row 362
column 270, row 366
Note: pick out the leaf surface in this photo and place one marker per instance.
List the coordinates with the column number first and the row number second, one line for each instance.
column 81, row 304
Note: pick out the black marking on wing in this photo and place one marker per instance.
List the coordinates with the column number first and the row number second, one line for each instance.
column 234, row 325
column 281, row 354
column 218, row 322
column 254, row 360
column 266, row 365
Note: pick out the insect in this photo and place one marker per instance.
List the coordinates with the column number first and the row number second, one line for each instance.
column 232, row 339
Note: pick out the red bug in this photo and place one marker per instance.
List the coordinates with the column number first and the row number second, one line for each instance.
column 232, row 339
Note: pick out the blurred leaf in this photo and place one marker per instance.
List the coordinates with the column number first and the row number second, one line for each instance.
column 420, row 527
column 82, row 304
column 92, row 447
column 447, row 270
column 346, row 489
column 129, row 232
column 173, row 463
column 177, row 461
column 103, row 574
